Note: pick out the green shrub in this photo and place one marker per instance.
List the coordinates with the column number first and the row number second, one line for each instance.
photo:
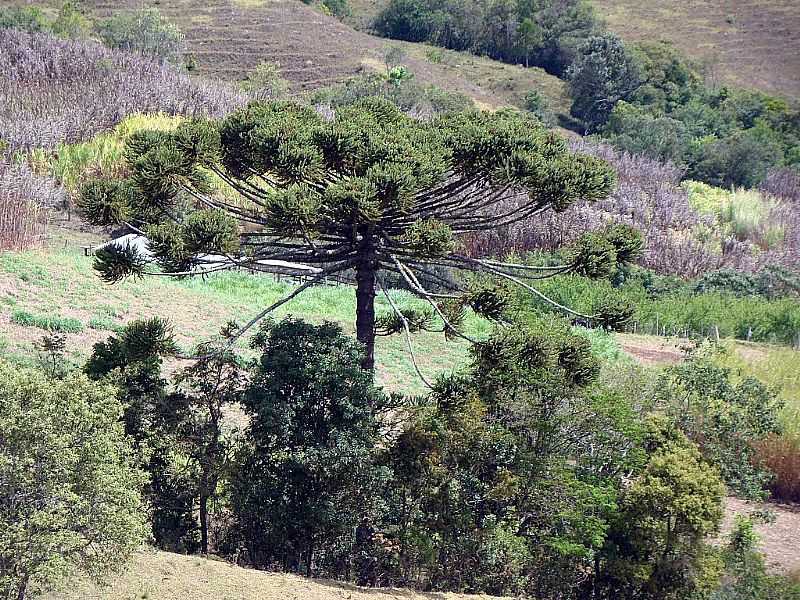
column 29, row 18
column 265, row 82
column 726, row 418
column 70, row 489
column 48, row 322
column 145, row 31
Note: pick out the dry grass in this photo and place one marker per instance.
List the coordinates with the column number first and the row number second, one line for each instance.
column 164, row 576
column 749, row 43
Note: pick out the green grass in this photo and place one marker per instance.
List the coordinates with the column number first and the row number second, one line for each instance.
column 47, row 322
column 775, row 366
column 47, row 284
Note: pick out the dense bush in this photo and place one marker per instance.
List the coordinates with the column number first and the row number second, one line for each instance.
column 410, row 96
column 55, row 91
column 306, row 476
column 69, row 489
column 153, row 417
column 143, row 31
column 726, row 419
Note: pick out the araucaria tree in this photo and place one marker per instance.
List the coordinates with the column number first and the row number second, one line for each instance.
column 368, row 189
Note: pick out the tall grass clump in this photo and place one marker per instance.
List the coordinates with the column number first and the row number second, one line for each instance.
column 70, row 164
column 24, row 200
column 47, row 322
column 55, row 91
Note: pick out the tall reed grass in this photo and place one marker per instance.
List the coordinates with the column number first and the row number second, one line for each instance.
column 24, row 202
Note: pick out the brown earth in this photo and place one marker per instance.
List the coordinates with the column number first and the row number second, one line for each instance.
column 651, row 350
column 780, row 541
column 749, row 43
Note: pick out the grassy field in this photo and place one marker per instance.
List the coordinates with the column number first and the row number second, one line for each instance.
column 164, row 576
column 56, row 288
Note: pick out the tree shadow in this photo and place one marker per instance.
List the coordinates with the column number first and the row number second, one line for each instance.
column 390, row 592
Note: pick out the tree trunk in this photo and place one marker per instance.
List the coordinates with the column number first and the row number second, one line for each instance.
column 365, row 311
column 203, row 522
column 22, row 590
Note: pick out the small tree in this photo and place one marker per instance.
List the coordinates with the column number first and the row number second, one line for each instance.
column 307, row 477
column 153, row 417
column 265, row 82
column 372, row 190
column 69, row 493
column 602, row 74
column 145, row 31
column 211, row 385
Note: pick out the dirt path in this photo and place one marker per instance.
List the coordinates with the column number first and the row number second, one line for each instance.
column 651, row 350
column 780, row 541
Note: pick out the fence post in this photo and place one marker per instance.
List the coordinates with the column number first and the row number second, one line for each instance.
column 716, row 333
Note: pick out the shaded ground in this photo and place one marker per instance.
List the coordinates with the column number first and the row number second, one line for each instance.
column 164, row 576
column 780, row 541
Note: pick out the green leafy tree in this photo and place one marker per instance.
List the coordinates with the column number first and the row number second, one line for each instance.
column 656, row 545
column 152, row 417
column 69, row 490
column 212, row 385
column 505, row 480
column 307, row 473
column 724, row 417
column 372, row 191
column 603, row 73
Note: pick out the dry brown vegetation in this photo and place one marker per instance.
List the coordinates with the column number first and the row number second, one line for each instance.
column 750, row 43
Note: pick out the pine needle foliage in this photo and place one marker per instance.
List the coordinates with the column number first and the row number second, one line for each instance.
column 370, row 189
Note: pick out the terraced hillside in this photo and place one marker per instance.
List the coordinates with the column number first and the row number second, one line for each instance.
column 751, row 43
column 230, row 37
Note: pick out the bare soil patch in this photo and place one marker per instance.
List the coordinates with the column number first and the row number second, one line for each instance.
column 651, row 350
column 780, row 541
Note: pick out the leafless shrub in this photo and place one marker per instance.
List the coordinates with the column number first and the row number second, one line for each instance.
column 649, row 196
column 54, row 90
column 24, row 201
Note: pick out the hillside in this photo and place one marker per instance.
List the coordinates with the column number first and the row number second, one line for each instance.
column 744, row 42
column 228, row 38
column 165, row 576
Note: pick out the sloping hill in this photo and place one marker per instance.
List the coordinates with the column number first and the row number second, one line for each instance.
column 750, row 43
column 164, row 576
column 229, row 38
